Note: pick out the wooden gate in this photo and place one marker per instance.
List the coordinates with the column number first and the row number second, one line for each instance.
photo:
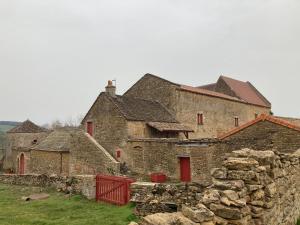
column 112, row 189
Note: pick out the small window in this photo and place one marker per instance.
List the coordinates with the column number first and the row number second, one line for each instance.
column 118, row 153
column 236, row 121
column 89, row 128
column 200, row 119
column 256, row 115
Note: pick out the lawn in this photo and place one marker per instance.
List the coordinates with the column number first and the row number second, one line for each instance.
column 58, row 209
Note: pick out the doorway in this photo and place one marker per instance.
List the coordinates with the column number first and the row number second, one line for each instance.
column 185, row 169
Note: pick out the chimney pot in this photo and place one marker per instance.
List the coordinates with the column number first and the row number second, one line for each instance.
column 110, row 89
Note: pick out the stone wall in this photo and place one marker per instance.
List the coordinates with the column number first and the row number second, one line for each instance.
column 17, row 141
column 148, row 156
column 219, row 114
column 89, row 157
column 84, row 184
column 110, row 127
column 153, row 198
column 264, row 136
column 49, row 162
column 251, row 188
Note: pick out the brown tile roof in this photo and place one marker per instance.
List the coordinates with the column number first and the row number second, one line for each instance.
column 210, row 87
column 177, row 127
column 142, row 110
column 27, row 127
column 209, row 93
column 246, row 91
column 262, row 117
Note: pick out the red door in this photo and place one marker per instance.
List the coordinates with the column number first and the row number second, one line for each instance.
column 185, row 169
column 89, row 128
column 22, row 164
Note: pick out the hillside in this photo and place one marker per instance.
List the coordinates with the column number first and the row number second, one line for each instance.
column 7, row 125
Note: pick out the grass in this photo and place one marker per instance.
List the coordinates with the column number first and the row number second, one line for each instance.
column 57, row 209
column 5, row 128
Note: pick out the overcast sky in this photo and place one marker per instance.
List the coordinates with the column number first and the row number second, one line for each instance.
column 57, row 55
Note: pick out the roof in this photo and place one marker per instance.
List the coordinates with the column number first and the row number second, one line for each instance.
column 27, row 127
column 142, row 110
column 210, row 87
column 209, row 93
column 59, row 140
column 262, row 117
column 176, row 127
column 246, row 91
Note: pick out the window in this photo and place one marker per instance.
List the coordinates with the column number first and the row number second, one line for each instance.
column 236, row 121
column 256, row 115
column 89, row 128
column 200, row 118
column 118, row 153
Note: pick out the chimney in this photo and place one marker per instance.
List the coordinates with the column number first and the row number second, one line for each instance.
column 111, row 89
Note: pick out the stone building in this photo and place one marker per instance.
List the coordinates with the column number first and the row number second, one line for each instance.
column 21, row 138
column 208, row 110
column 160, row 126
column 70, row 151
column 264, row 133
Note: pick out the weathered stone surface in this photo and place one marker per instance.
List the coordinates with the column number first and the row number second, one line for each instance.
column 198, row 214
column 271, row 190
column 236, row 185
column 240, row 163
column 226, row 212
column 210, row 196
column 167, row 219
column 231, row 195
column 242, row 175
column 219, row 173
column 263, row 157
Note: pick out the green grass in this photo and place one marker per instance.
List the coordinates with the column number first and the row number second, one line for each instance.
column 57, row 209
column 5, row 128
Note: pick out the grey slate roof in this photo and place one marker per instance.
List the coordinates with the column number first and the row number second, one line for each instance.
column 142, row 110
column 27, row 127
column 59, row 140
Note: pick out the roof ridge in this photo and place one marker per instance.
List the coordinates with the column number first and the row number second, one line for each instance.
column 150, row 75
column 262, row 117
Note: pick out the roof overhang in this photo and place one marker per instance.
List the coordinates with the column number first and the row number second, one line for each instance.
column 169, row 127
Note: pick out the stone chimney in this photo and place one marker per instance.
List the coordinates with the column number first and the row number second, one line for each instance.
column 111, row 89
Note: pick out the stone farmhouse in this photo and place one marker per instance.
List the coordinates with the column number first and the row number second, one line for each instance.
column 157, row 126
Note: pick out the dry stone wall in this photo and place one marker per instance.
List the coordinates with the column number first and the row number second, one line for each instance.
column 81, row 184
column 251, row 188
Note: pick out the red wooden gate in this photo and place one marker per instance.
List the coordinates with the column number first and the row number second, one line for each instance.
column 112, row 189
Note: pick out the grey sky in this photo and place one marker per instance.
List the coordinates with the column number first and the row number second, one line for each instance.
column 57, row 55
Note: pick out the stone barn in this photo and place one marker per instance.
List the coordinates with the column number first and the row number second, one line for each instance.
column 20, row 139
column 161, row 126
column 70, row 151
column 264, row 133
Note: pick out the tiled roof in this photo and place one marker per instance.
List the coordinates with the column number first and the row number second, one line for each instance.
column 262, row 117
column 27, row 127
column 177, row 127
column 210, row 87
column 142, row 110
column 209, row 93
column 246, row 91
column 59, row 140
